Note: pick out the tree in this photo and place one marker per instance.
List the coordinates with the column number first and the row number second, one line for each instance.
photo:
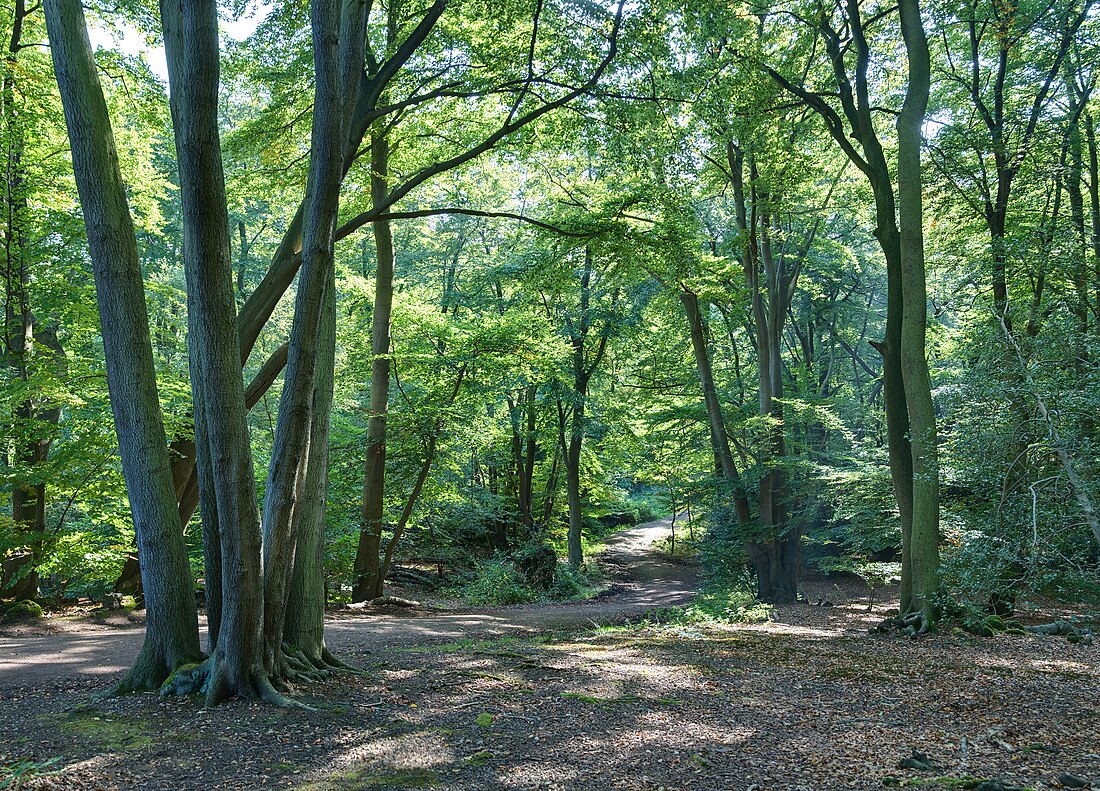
column 369, row 581
column 854, row 130
column 171, row 635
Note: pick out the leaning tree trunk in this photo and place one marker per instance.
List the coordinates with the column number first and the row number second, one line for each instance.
column 720, row 443
column 924, row 538
column 171, row 634
column 305, row 606
column 304, row 625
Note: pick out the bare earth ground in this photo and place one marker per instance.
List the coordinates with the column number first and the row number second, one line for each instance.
column 537, row 697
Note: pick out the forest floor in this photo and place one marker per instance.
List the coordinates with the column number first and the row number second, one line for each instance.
column 542, row 697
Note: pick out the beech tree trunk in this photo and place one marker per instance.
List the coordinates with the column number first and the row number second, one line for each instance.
column 925, row 536
column 296, row 426
column 171, row 634
column 226, row 481
column 572, row 457
column 304, row 625
column 368, row 584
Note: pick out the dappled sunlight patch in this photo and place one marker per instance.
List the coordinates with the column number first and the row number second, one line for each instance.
column 1066, row 666
column 780, row 628
column 407, row 760
column 54, row 773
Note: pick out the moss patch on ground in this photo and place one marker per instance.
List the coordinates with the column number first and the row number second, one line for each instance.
column 361, row 779
column 111, row 733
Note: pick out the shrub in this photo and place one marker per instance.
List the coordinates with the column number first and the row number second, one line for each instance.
column 498, row 582
column 572, row 584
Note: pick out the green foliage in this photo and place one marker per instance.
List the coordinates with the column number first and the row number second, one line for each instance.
column 634, row 203
column 82, row 564
column 584, row 583
column 16, row 774
column 497, row 582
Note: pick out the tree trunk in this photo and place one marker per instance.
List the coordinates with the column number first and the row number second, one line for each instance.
column 290, row 453
column 925, row 529
column 572, row 453
column 19, row 577
column 368, row 584
column 305, row 608
column 226, row 481
column 726, row 467
column 171, row 635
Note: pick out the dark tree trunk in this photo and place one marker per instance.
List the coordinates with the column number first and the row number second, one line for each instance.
column 224, row 459
column 293, row 432
column 305, row 608
column 368, row 584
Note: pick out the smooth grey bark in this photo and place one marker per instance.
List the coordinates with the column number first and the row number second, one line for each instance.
column 925, row 530
column 171, row 635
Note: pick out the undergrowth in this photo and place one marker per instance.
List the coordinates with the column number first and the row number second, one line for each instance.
column 498, row 582
column 14, row 774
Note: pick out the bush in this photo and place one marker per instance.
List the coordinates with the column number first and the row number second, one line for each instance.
column 538, row 563
column 80, row 564
column 498, row 582
column 582, row 584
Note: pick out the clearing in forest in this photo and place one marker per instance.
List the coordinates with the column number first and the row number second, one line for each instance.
column 810, row 700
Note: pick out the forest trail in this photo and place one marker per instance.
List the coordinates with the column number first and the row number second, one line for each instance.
column 644, row 579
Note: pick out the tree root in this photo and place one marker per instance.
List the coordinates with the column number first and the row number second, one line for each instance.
column 912, row 624
column 206, row 680
column 1063, row 628
column 292, row 667
column 149, row 672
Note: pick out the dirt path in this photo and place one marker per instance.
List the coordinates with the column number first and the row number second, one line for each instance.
column 644, row 580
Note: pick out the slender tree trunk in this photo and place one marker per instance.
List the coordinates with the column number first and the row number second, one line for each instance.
column 1094, row 211
column 19, row 578
column 925, row 529
column 727, row 468
column 294, row 429
column 525, row 468
column 368, row 583
column 305, row 608
column 242, row 257
column 171, row 635
column 572, row 456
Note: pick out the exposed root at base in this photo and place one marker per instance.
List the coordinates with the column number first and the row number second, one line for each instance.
column 911, row 624
column 294, row 667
